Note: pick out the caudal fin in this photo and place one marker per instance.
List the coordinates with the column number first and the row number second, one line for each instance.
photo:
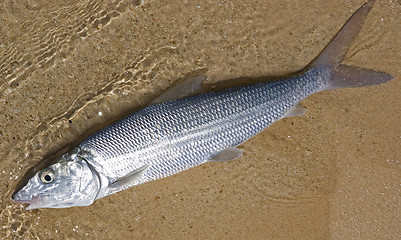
column 348, row 76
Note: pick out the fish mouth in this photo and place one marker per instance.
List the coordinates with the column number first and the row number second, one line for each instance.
column 34, row 202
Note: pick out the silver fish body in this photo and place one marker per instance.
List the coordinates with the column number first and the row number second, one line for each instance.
column 172, row 136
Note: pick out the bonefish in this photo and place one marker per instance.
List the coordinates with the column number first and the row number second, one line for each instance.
column 178, row 132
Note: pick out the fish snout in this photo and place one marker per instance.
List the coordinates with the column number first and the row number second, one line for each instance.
column 20, row 197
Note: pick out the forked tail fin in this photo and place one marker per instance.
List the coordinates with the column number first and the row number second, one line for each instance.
column 348, row 76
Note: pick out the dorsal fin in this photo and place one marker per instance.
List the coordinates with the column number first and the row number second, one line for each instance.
column 189, row 87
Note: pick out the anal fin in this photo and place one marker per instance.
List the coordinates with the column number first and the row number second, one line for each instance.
column 296, row 110
column 228, row 154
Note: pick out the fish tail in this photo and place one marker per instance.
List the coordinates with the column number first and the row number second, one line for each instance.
column 343, row 76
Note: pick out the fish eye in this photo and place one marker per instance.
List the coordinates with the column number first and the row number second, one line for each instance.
column 47, row 175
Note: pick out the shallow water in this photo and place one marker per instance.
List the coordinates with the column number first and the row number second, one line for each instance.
column 67, row 68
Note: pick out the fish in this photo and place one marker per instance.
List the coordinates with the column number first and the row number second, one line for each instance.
column 186, row 127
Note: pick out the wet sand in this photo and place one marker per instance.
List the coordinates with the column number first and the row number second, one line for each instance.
column 333, row 173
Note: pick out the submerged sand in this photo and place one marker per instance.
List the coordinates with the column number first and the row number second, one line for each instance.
column 333, row 173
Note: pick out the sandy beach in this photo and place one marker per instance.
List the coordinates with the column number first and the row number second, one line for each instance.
column 69, row 68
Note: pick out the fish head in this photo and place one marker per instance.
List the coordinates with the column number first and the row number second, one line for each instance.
column 66, row 183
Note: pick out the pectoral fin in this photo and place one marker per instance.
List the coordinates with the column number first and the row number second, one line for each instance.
column 130, row 178
column 228, row 154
